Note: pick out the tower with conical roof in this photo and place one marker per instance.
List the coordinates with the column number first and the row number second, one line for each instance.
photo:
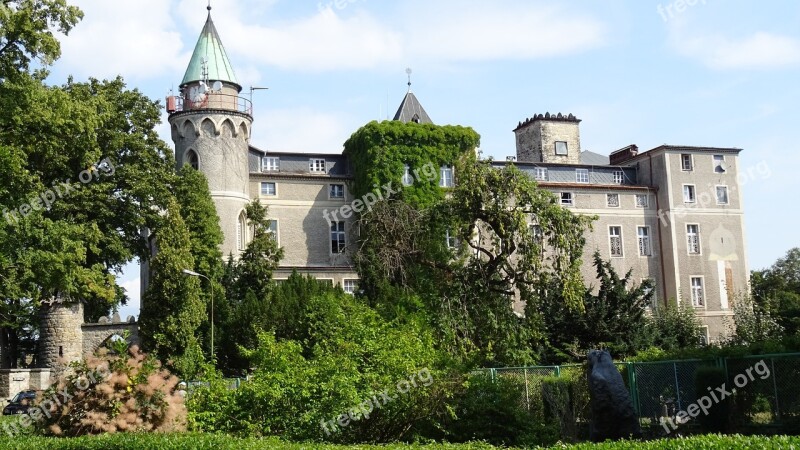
column 211, row 125
column 411, row 109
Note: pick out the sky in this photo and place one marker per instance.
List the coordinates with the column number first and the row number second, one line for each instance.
column 682, row 72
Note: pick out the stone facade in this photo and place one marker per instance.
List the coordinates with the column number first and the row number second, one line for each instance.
column 60, row 335
column 549, row 139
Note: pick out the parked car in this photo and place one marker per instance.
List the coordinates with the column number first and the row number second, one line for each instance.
column 20, row 403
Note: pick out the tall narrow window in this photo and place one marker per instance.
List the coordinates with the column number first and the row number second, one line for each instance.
column 688, row 193
column 408, row 180
column 446, row 176
column 241, row 231
column 273, row 229
column 615, row 240
column 192, row 159
column 645, row 249
column 536, row 232
column 686, row 162
column 337, row 237
column 451, row 240
column 719, row 163
column 722, row 195
column 581, row 175
column 619, row 177
column 693, row 239
column 317, row 165
column 698, row 297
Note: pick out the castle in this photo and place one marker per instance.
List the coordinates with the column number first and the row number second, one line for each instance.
column 672, row 214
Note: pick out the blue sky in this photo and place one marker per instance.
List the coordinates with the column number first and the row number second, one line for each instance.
column 694, row 72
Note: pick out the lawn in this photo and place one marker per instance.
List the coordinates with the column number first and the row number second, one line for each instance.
column 221, row 442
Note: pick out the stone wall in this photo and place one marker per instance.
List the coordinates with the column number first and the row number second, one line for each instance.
column 96, row 334
column 536, row 138
column 60, row 334
column 13, row 381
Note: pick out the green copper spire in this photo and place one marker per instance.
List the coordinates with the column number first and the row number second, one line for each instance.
column 209, row 46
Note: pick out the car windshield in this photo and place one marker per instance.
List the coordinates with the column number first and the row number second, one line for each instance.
column 23, row 396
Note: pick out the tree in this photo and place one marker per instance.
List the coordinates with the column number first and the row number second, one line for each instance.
column 27, row 33
column 776, row 290
column 205, row 235
column 675, row 327
column 172, row 310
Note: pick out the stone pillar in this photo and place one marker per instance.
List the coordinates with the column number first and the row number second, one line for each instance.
column 60, row 335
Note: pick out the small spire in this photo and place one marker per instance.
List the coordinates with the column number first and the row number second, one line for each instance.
column 209, row 6
column 408, row 72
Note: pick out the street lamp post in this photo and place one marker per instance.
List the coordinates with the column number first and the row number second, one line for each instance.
column 195, row 274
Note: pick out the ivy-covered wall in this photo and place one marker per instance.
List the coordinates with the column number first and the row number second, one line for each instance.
column 379, row 151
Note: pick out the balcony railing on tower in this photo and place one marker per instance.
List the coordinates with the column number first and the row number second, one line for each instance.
column 228, row 102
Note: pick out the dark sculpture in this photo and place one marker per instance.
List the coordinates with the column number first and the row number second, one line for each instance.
column 613, row 416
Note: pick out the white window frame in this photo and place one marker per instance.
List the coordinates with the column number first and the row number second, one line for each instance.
column 446, row 176
column 727, row 192
column 346, row 281
column 611, row 195
column 644, row 241
column 705, row 337
column 566, row 148
column 690, row 160
column 341, row 237
column 274, row 190
column 718, row 164
column 326, row 280
column 691, row 189
column 693, row 243
column 330, row 191
column 540, row 173
column 407, row 179
column 619, row 177
column 271, row 164
column 612, row 237
column 241, row 231
column 643, row 205
column 697, row 294
column 275, row 230
column 450, row 241
column 317, row 165
column 571, row 202
column 582, row 175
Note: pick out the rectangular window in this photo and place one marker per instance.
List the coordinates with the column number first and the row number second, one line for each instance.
column 698, row 296
column 566, row 199
column 642, row 201
column 269, row 188
column 612, row 200
column 722, row 195
column 561, row 148
column 317, row 165
column 686, row 162
column 446, row 176
column 336, row 191
column 540, row 174
column 619, row 177
column 536, row 233
column 719, row 163
column 337, row 237
column 693, row 239
column 450, row 240
column 273, row 229
column 270, row 164
column 645, row 249
column 350, row 286
column 653, row 300
column 615, row 240
column 407, row 180
column 688, row 193
column 582, row 175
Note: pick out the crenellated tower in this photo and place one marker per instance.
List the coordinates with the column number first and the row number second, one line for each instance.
column 211, row 125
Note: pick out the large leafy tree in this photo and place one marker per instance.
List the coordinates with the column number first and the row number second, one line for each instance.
column 776, row 290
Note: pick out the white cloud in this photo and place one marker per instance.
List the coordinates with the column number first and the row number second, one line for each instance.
column 302, row 130
column 759, row 50
column 132, row 39
column 132, row 286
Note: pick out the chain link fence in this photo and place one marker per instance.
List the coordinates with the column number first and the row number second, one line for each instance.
column 766, row 396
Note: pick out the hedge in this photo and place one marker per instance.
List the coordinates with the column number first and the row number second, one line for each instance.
column 223, row 442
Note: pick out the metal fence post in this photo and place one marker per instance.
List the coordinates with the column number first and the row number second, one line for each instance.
column 677, row 385
column 775, row 389
column 527, row 396
column 634, row 389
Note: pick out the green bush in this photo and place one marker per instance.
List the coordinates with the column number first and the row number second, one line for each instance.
column 718, row 418
column 494, row 410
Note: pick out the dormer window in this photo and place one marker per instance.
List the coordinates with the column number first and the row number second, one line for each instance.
column 415, row 119
column 270, row 164
column 317, row 165
column 561, row 148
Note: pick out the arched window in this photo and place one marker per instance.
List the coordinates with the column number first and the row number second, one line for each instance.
column 241, row 231
column 192, row 159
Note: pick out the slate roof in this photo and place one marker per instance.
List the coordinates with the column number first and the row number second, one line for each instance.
column 411, row 110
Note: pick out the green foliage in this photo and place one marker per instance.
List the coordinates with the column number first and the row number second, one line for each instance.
column 776, row 291
column 718, row 418
column 676, row 327
column 113, row 392
column 27, row 33
column 494, row 411
column 754, row 323
column 171, row 307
